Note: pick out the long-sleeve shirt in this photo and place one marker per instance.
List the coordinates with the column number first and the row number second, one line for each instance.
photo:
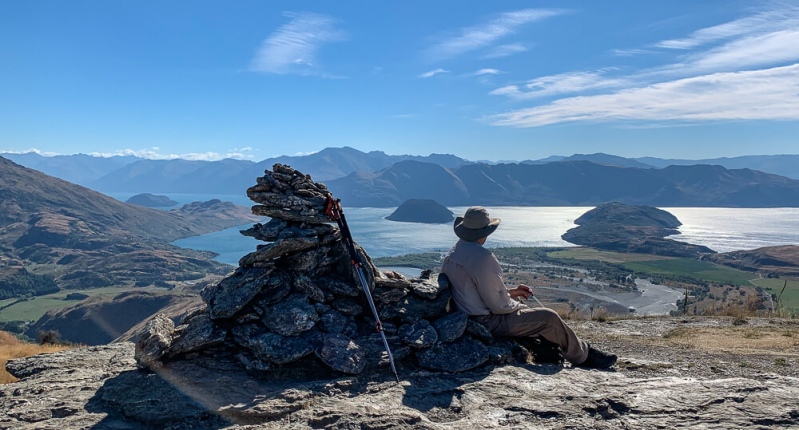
column 476, row 280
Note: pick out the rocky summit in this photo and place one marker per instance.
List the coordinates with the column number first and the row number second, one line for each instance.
column 287, row 341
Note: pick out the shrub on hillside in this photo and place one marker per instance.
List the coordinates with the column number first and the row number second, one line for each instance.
column 23, row 283
column 51, row 337
column 11, row 347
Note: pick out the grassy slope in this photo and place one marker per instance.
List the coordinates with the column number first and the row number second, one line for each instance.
column 790, row 297
column 32, row 310
column 11, row 347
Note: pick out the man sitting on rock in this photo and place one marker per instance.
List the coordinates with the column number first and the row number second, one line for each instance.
column 478, row 290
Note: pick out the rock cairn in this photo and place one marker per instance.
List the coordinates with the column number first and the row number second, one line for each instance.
column 297, row 299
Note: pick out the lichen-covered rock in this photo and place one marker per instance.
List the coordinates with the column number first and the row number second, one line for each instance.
column 285, row 349
column 231, row 294
column 342, row 354
column 419, row 334
column 333, row 321
column 291, row 316
column 451, row 327
column 426, row 289
column 278, row 249
column 196, row 333
column 458, row 356
column 347, row 306
column 153, row 343
column 277, row 229
column 340, row 288
column 304, row 284
column 479, row 332
column 414, row 307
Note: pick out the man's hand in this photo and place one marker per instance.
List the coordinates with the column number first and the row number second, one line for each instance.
column 522, row 292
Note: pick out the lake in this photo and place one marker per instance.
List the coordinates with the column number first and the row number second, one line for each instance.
column 721, row 229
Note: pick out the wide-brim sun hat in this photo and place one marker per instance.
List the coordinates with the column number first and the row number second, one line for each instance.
column 475, row 224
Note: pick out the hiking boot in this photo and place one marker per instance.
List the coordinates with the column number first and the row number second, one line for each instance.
column 598, row 359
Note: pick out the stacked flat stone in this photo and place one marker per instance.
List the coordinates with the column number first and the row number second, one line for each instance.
column 297, row 299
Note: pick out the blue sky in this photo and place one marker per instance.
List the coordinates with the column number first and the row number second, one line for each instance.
column 485, row 80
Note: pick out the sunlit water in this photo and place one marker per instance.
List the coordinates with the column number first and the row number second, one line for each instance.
column 721, row 229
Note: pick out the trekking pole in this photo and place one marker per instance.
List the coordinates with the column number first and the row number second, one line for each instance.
column 334, row 211
column 536, row 300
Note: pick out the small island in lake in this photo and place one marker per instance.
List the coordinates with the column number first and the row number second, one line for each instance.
column 423, row 211
column 151, row 201
column 631, row 228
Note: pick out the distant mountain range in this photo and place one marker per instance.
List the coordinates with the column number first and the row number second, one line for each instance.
column 567, row 183
column 378, row 179
column 229, row 176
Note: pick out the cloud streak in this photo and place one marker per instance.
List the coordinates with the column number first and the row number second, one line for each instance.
column 565, row 83
column 293, row 48
column 484, row 35
column 767, row 21
column 432, row 73
column 155, row 154
column 771, row 94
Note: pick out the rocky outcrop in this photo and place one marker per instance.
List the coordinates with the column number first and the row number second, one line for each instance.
column 631, row 228
column 422, row 211
column 101, row 387
column 296, row 302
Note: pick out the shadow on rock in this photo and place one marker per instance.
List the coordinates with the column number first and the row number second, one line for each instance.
column 141, row 399
column 439, row 395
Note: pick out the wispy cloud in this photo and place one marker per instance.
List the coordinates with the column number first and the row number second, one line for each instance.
column 632, row 52
column 772, row 48
column 403, row 116
column 154, row 153
column 746, row 69
column 484, row 35
column 30, row 150
column 782, row 18
column 565, row 83
column 486, row 72
column 771, row 94
column 505, row 51
column 292, row 48
column 432, row 73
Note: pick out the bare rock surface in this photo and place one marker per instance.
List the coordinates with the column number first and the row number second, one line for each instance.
column 102, row 388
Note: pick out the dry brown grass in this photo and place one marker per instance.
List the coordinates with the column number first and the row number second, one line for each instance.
column 11, row 347
column 738, row 340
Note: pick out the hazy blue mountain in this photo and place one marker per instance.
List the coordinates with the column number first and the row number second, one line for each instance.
column 333, row 163
column 598, row 158
column 163, row 176
column 550, row 159
column 235, row 176
column 131, row 174
column 568, row 183
column 783, row 165
column 78, row 168
column 386, row 188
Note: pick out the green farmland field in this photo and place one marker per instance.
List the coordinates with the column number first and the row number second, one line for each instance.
column 660, row 265
column 32, row 310
column 790, row 297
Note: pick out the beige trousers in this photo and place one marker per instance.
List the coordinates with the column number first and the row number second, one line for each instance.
column 538, row 322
